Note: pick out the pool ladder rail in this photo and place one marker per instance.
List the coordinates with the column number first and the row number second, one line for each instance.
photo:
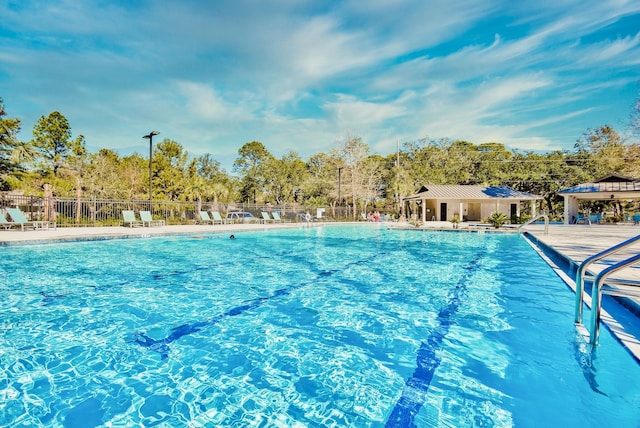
column 602, row 284
column 533, row 220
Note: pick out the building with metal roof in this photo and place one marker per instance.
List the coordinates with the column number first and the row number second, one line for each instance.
column 437, row 202
column 610, row 188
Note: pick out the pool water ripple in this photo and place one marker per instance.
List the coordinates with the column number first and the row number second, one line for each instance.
column 161, row 345
column 428, row 360
column 313, row 327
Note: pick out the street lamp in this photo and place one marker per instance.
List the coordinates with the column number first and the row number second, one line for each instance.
column 150, row 137
column 339, row 198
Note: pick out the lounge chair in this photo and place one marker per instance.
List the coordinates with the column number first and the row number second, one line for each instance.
column 130, row 219
column 265, row 217
column 204, row 218
column 595, row 218
column 4, row 223
column 148, row 220
column 18, row 217
column 276, row 217
column 581, row 219
column 217, row 217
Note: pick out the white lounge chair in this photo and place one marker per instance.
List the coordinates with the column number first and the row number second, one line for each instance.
column 130, row 219
column 18, row 217
column 217, row 217
column 147, row 219
column 276, row 217
column 265, row 217
column 204, row 218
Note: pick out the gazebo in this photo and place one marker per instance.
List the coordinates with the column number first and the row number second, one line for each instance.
column 610, row 188
column 467, row 202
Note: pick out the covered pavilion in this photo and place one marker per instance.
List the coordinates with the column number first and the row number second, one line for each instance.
column 613, row 187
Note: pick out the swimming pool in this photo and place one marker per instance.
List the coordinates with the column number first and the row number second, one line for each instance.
column 327, row 326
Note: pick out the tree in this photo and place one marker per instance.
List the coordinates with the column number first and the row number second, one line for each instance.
column 323, row 173
column 397, row 180
column 353, row 152
column 9, row 129
column 169, row 170
column 252, row 157
column 105, row 176
column 51, row 142
column 218, row 183
column 631, row 167
column 461, row 162
column 541, row 174
column 196, row 185
column 492, row 164
column 283, row 176
column 135, row 176
column 371, row 179
column 424, row 163
column 602, row 150
column 75, row 168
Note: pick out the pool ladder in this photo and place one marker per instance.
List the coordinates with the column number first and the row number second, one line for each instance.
column 536, row 218
column 612, row 287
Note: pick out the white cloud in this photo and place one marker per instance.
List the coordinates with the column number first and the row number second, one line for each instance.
column 298, row 75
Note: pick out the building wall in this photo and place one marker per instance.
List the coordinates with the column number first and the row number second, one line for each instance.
column 472, row 211
column 429, row 210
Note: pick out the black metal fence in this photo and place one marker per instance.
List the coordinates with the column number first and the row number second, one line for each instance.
column 68, row 212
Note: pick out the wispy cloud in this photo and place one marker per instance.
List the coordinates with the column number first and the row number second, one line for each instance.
column 298, row 75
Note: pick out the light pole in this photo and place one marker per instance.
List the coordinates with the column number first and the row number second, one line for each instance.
column 150, row 137
column 339, row 196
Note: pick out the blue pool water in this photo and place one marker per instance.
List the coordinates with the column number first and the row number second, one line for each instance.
column 329, row 326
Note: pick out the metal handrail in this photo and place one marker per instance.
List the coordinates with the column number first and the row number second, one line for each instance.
column 546, row 223
column 582, row 271
column 597, row 291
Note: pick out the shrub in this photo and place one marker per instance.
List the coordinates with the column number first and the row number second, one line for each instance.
column 497, row 219
column 523, row 218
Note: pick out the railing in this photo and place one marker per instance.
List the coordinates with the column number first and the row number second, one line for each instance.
column 615, row 287
column 67, row 212
column 536, row 218
column 619, row 287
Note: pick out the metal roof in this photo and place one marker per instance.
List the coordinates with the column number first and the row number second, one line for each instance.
column 604, row 187
column 445, row 191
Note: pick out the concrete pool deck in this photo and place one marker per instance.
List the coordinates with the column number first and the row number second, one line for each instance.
column 572, row 243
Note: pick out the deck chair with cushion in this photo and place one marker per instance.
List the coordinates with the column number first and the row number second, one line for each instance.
column 4, row 223
column 265, row 217
column 276, row 217
column 580, row 219
column 130, row 219
column 19, row 218
column 204, row 218
column 147, row 219
column 217, row 217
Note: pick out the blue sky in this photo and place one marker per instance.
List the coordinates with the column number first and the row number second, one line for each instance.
column 301, row 75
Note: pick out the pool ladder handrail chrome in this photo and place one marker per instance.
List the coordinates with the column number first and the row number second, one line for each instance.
column 536, row 218
column 623, row 287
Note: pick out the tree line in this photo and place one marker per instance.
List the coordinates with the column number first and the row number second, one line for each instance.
column 54, row 161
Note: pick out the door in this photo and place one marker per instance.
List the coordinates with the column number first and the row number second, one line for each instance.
column 443, row 211
column 514, row 210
